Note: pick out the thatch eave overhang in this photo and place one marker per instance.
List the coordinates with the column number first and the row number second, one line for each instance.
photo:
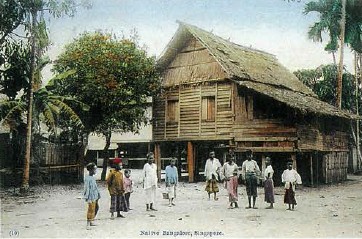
column 297, row 100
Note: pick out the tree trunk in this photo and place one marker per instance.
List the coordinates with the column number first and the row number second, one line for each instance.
column 340, row 67
column 334, row 57
column 25, row 183
column 357, row 75
column 359, row 82
column 105, row 155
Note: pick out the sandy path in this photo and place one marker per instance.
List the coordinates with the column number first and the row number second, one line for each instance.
column 58, row 211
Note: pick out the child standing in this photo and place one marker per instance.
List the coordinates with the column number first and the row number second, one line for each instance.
column 230, row 173
column 290, row 177
column 128, row 187
column 91, row 194
column 115, row 187
column 171, row 181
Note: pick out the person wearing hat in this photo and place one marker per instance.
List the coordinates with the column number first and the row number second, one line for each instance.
column 269, row 183
column 91, row 194
column 250, row 169
column 115, row 187
column 290, row 177
column 171, row 181
column 149, row 179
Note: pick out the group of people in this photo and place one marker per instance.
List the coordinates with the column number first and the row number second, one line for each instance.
column 120, row 184
column 119, row 187
column 228, row 173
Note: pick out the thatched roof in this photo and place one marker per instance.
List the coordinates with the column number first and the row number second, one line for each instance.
column 254, row 69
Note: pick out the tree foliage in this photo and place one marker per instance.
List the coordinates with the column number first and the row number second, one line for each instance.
column 114, row 77
column 322, row 81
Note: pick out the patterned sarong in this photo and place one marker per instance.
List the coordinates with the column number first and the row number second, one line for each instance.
column 211, row 186
column 115, row 203
column 92, row 210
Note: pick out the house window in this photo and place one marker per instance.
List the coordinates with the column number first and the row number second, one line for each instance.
column 172, row 111
column 208, row 108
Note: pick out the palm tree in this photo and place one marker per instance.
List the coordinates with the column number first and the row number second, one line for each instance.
column 329, row 17
column 343, row 20
column 340, row 66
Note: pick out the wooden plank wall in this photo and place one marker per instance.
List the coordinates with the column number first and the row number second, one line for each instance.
column 264, row 130
column 189, row 111
column 190, row 125
column 60, row 154
column 158, row 111
column 311, row 138
column 225, row 116
column 335, row 165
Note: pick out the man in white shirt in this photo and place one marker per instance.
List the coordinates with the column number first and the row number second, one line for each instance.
column 149, row 175
column 250, row 169
column 212, row 169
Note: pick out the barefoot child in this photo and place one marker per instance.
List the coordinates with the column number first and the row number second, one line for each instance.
column 91, row 194
column 250, row 169
column 128, row 187
column 171, row 181
column 115, row 187
column 212, row 169
column 230, row 173
column 269, row 183
column 149, row 180
column 290, row 177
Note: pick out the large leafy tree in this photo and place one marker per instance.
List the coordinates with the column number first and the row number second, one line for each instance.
column 115, row 77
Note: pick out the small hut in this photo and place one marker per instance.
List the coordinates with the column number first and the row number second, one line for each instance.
column 218, row 95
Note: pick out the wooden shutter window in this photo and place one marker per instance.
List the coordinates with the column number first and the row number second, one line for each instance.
column 172, row 111
column 208, row 108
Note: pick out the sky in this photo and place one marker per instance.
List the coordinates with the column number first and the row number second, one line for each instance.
column 278, row 27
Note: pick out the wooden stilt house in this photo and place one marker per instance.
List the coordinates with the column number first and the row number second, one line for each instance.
column 221, row 96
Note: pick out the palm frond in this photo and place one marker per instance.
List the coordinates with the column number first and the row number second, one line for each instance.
column 315, row 32
column 10, row 112
column 65, row 109
column 49, row 118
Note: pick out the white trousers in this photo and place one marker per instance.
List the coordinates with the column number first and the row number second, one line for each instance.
column 171, row 191
column 150, row 194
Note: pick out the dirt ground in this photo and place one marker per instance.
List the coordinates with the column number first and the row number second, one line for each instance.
column 59, row 211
